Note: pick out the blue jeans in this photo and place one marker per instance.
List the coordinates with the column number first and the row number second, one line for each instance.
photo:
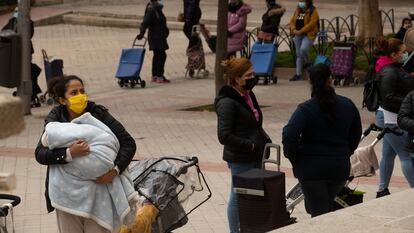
column 320, row 195
column 303, row 45
column 393, row 145
column 232, row 208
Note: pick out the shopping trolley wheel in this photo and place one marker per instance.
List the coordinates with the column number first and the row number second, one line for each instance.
column 266, row 80
column 14, row 93
column 356, row 81
column 143, row 83
column 206, row 73
column 50, row 101
column 132, row 83
column 121, row 83
column 274, row 79
column 42, row 99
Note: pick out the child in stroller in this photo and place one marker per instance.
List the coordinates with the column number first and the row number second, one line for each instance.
column 195, row 54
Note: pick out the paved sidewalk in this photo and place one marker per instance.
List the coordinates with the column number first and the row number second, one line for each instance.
column 154, row 118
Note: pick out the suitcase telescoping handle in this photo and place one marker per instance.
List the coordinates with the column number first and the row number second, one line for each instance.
column 137, row 44
column 266, row 152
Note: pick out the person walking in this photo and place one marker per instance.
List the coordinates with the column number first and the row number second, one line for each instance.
column 395, row 84
column 304, row 27
column 236, row 26
column 69, row 92
column 192, row 16
column 155, row 21
column 319, row 139
column 239, row 126
column 271, row 21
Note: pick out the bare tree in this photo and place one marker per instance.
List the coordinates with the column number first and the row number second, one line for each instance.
column 221, row 46
column 369, row 19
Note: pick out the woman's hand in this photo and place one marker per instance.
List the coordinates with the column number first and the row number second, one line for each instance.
column 252, row 147
column 296, row 32
column 107, row 177
column 79, row 148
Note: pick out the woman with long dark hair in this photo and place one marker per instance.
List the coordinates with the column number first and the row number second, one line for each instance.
column 318, row 140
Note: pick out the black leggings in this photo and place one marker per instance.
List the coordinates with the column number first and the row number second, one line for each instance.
column 320, row 195
column 158, row 62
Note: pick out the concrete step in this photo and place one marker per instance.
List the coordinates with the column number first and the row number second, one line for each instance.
column 129, row 21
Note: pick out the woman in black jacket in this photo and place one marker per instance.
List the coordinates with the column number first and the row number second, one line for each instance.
column 270, row 21
column 395, row 84
column 155, row 21
column 69, row 92
column 406, row 122
column 239, row 126
column 318, row 140
column 192, row 16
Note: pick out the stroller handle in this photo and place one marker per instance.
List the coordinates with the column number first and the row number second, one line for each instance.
column 372, row 127
column 4, row 209
column 193, row 161
column 386, row 130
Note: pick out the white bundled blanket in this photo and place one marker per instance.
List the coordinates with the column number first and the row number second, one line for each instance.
column 73, row 187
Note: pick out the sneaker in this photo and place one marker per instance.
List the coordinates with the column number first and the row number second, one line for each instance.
column 296, row 78
column 163, row 80
column 382, row 193
column 154, row 79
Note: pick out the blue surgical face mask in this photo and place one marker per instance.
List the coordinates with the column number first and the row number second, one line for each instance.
column 161, row 2
column 302, row 5
column 404, row 58
column 16, row 14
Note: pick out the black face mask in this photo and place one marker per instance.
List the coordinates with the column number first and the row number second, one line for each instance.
column 250, row 83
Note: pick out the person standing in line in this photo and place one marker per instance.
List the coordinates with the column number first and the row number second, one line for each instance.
column 156, row 22
column 304, row 27
column 236, row 26
column 270, row 21
column 395, row 84
column 69, row 92
column 239, row 126
column 319, row 139
column 192, row 16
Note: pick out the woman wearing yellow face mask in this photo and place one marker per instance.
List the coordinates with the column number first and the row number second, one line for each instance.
column 70, row 93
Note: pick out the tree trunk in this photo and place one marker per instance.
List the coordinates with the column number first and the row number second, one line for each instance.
column 221, row 46
column 24, row 90
column 369, row 19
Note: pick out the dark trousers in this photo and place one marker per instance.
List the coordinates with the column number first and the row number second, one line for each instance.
column 320, row 195
column 188, row 27
column 158, row 62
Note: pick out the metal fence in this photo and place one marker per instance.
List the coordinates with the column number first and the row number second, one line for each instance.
column 338, row 29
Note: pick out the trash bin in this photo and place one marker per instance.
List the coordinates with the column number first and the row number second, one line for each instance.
column 10, row 58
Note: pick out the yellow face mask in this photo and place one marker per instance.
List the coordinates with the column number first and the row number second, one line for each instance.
column 78, row 103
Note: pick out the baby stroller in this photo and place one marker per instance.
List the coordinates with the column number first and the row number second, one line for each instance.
column 195, row 54
column 130, row 64
column 6, row 210
column 174, row 185
column 53, row 68
column 348, row 197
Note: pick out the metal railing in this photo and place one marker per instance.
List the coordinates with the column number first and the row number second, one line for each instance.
column 337, row 29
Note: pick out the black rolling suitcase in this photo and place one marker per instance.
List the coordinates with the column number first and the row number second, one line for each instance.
column 261, row 197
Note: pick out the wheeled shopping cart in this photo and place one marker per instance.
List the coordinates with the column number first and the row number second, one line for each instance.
column 130, row 65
